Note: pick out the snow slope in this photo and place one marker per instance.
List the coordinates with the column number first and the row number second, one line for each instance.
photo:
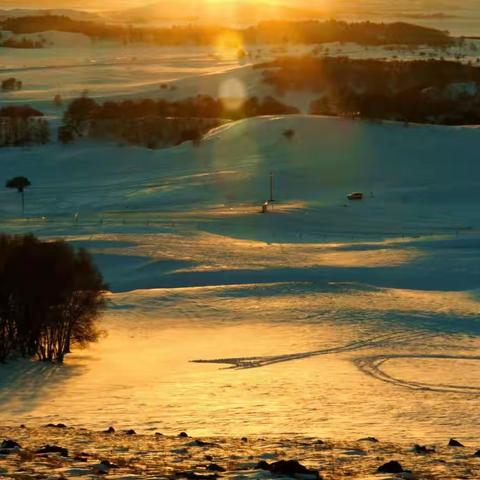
column 351, row 311
column 420, row 196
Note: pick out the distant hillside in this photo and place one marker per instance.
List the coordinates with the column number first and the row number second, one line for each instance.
column 70, row 13
column 245, row 12
column 274, row 32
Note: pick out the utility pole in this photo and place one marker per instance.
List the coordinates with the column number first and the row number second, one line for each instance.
column 271, row 199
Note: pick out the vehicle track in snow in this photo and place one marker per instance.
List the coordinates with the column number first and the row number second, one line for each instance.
column 372, row 342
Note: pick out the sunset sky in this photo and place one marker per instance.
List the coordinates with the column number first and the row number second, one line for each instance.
column 437, row 5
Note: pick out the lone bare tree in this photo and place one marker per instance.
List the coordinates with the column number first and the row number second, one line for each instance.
column 20, row 184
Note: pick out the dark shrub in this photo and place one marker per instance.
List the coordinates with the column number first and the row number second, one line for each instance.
column 11, row 84
column 193, row 134
column 78, row 113
column 65, row 135
column 58, row 100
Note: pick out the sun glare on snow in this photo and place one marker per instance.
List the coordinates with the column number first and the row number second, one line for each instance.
column 228, row 44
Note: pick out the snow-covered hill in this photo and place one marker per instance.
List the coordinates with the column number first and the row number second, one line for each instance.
column 411, row 167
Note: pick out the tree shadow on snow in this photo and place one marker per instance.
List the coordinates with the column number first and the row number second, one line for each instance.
column 25, row 383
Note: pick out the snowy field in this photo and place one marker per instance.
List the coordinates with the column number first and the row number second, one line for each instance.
column 324, row 317
column 73, row 64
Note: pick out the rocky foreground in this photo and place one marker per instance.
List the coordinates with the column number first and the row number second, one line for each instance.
column 58, row 452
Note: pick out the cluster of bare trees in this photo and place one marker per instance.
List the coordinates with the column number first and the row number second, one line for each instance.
column 50, row 298
column 22, row 43
column 22, row 125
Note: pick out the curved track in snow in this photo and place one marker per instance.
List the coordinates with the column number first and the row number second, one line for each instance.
column 372, row 366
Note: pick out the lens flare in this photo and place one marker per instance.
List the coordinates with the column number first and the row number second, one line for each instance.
column 232, row 93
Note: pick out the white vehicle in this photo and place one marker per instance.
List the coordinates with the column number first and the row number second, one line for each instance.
column 355, row 196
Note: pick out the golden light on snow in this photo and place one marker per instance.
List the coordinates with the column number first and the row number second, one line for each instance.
column 163, row 389
column 228, row 45
column 232, row 93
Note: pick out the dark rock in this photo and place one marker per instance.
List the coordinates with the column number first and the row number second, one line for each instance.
column 55, row 425
column 108, row 464
column 213, row 467
column 183, row 435
column 7, row 451
column 195, row 476
column 208, row 457
column 103, row 468
column 158, row 434
column 8, row 444
column 83, row 454
column 109, row 430
column 454, row 443
column 477, row 454
column 80, row 458
column 390, row 467
column 290, row 468
column 180, row 451
column 262, row 465
column 244, row 439
column 198, row 443
column 22, row 426
column 369, row 439
column 53, row 449
column 130, row 432
column 354, row 452
column 422, row 449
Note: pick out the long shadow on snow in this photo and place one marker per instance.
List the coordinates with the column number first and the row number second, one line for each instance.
column 25, row 383
column 131, row 272
column 421, row 276
column 437, row 322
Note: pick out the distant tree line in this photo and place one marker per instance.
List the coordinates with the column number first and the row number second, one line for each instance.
column 84, row 112
column 201, row 106
column 433, row 91
column 22, row 125
column 22, row 43
column 50, row 298
column 272, row 32
column 317, row 74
